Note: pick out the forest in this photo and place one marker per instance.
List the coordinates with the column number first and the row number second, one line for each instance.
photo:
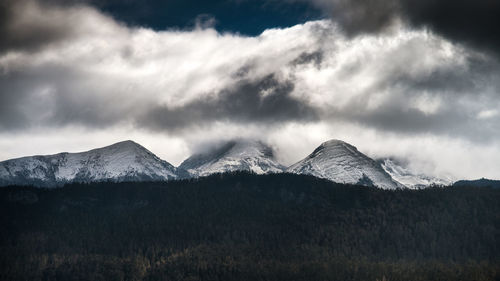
column 242, row 226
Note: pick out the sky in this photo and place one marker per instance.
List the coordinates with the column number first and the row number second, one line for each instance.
column 418, row 81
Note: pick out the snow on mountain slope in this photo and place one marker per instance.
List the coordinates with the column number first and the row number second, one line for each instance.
column 235, row 155
column 343, row 163
column 410, row 178
column 123, row 161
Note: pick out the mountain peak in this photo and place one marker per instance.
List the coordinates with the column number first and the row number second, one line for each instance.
column 126, row 143
column 122, row 161
column 123, row 145
column 334, row 142
column 341, row 162
column 234, row 155
column 250, row 147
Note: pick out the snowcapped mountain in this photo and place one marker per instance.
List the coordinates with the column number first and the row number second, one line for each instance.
column 409, row 178
column 235, row 155
column 128, row 161
column 123, row 161
column 343, row 163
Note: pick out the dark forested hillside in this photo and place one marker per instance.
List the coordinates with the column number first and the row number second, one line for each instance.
column 479, row 183
column 247, row 227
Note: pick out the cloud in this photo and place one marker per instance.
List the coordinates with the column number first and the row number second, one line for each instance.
column 315, row 57
column 158, row 80
column 471, row 22
column 486, row 114
column 267, row 101
column 29, row 25
column 356, row 16
column 295, row 86
column 440, row 97
column 21, row 31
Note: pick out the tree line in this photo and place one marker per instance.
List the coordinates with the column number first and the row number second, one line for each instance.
column 241, row 226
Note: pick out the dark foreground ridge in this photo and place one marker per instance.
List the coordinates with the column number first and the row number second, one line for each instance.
column 248, row 227
column 479, row 183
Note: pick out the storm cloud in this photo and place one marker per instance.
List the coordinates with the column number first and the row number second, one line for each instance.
column 266, row 101
column 474, row 23
column 30, row 25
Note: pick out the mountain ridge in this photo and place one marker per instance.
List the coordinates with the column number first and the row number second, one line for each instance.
column 478, row 183
column 334, row 160
column 122, row 161
column 410, row 178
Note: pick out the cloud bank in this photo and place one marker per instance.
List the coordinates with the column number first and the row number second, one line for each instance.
column 474, row 23
column 295, row 87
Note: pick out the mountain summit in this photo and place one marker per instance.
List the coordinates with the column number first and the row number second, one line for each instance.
column 341, row 162
column 235, row 155
column 123, row 161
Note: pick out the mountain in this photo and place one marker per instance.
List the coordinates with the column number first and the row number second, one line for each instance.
column 235, row 155
column 409, row 178
column 343, row 163
column 123, row 161
column 479, row 183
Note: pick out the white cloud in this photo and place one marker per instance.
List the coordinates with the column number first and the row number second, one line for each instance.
column 487, row 114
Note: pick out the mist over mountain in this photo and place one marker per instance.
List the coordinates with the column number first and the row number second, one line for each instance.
column 234, row 155
column 410, row 178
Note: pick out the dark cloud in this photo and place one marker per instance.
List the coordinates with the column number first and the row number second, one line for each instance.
column 11, row 116
column 61, row 97
column 357, row 16
column 22, row 28
column 403, row 120
column 266, row 101
column 396, row 117
column 22, row 101
column 471, row 22
column 315, row 57
column 449, row 82
column 54, row 96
